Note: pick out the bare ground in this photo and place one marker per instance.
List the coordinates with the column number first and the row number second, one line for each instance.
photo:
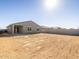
column 39, row 46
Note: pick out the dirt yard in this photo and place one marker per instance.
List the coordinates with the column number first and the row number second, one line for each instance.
column 39, row 46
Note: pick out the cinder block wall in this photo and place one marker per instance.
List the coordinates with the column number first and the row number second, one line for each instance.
column 61, row 31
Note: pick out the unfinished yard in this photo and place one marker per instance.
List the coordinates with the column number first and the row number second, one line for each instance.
column 39, row 46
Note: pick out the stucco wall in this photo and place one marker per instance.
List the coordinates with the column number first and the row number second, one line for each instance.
column 33, row 29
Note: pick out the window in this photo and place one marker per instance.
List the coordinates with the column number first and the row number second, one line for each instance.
column 37, row 29
column 29, row 29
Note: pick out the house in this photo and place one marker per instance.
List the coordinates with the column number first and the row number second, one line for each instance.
column 24, row 28
column 29, row 27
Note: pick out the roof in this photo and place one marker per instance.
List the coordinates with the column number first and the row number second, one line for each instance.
column 23, row 22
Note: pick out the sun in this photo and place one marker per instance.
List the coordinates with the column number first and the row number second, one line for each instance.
column 50, row 4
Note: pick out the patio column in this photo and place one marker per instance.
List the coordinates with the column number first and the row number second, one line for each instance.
column 12, row 29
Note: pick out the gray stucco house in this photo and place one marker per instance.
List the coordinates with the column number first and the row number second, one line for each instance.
column 24, row 28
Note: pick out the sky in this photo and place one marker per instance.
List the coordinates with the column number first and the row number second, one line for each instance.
column 53, row 13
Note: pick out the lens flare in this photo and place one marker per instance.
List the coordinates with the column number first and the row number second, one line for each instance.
column 50, row 4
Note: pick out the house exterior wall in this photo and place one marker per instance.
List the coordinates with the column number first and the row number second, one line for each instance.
column 33, row 29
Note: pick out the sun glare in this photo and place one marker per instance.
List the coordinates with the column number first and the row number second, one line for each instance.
column 50, row 4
